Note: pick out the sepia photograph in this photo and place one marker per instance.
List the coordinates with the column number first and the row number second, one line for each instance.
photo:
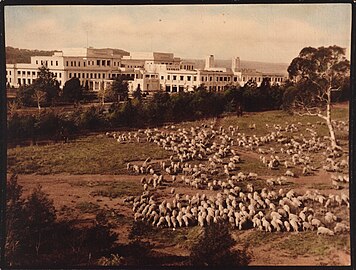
column 212, row 135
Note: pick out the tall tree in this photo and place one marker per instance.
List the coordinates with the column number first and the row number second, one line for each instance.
column 317, row 72
column 119, row 89
column 72, row 90
column 45, row 82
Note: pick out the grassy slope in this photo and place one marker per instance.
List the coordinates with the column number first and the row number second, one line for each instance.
column 101, row 155
column 89, row 155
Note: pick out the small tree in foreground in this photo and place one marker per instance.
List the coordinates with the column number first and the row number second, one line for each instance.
column 317, row 73
column 214, row 248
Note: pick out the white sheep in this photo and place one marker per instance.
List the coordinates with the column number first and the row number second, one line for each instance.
column 325, row 231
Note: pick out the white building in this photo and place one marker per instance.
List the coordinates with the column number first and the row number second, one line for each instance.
column 148, row 71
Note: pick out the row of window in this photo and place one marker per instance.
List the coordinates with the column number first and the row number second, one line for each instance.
column 8, row 72
column 181, row 78
column 99, row 63
column 98, row 75
column 45, row 62
column 34, row 73
column 217, row 78
column 259, row 79
column 24, row 81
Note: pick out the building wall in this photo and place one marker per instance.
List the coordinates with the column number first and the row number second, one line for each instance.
column 153, row 71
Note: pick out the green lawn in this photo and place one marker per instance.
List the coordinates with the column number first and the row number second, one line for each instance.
column 87, row 155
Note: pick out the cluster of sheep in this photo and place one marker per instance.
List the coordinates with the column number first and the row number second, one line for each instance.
column 237, row 201
column 266, row 210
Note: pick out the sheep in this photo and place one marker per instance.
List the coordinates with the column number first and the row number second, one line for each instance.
column 325, row 231
column 289, row 173
column 341, row 227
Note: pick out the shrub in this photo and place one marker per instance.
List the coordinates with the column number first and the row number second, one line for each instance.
column 214, row 248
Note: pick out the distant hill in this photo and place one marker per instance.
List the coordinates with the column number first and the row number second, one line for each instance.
column 280, row 68
column 16, row 55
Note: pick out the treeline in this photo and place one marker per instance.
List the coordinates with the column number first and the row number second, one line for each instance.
column 16, row 55
column 160, row 109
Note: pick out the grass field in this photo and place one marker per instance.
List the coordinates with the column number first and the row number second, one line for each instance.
column 86, row 155
column 102, row 155
column 93, row 169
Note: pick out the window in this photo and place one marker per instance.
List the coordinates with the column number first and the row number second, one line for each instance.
column 23, row 73
column 60, row 75
column 95, row 75
column 38, row 73
column 147, row 76
column 103, row 75
column 98, row 62
column 168, row 77
column 195, row 78
column 108, row 62
column 29, row 81
column 10, row 72
column 28, row 73
column 56, row 63
column 174, row 77
column 51, row 63
column 19, row 72
column 243, row 78
column 103, row 63
column 181, row 78
column 162, row 77
column 211, row 78
column 78, row 63
column 98, row 75
column 36, row 62
column 19, row 81
column 78, row 75
column 33, row 73
column 71, row 63
column 67, row 63
column 188, row 78
column 10, row 79
column 225, row 79
column 202, row 79
column 70, row 75
column 91, row 75
column 83, row 75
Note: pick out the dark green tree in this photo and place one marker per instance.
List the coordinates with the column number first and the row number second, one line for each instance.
column 44, row 89
column 40, row 216
column 14, row 222
column 72, row 91
column 119, row 89
column 214, row 249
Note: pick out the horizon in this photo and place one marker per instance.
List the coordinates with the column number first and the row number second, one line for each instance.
column 260, row 33
column 203, row 58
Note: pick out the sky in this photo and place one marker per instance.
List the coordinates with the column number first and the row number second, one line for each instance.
column 265, row 33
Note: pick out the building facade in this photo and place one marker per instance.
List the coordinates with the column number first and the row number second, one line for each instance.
column 147, row 71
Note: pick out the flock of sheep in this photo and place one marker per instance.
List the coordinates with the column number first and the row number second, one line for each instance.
column 208, row 157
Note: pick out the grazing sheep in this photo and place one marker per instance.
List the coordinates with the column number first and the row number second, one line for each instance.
column 325, row 231
column 289, row 173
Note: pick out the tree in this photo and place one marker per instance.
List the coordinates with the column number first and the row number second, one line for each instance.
column 317, row 72
column 137, row 94
column 40, row 97
column 46, row 83
column 72, row 91
column 15, row 224
column 119, row 89
column 214, row 248
column 40, row 217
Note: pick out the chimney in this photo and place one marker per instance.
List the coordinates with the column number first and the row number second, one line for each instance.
column 236, row 65
column 209, row 62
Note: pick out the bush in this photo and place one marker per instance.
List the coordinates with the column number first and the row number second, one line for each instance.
column 214, row 248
